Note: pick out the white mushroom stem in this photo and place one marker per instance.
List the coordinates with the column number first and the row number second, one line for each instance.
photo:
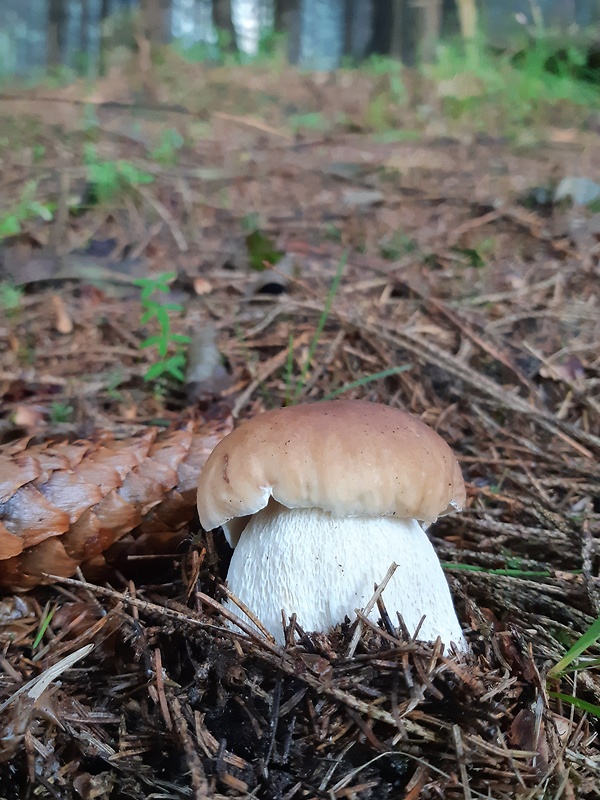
column 323, row 568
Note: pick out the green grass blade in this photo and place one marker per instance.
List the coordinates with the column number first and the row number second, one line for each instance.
column 577, row 666
column 510, row 572
column 289, row 371
column 321, row 324
column 43, row 628
column 385, row 373
column 587, row 639
column 591, row 708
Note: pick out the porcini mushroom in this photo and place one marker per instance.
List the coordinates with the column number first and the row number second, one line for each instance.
column 319, row 500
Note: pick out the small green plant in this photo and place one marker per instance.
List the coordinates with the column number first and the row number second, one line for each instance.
column 107, row 178
column 91, row 121
column 199, row 51
column 379, row 114
column 391, row 68
column 61, row 412
column 38, row 152
column 321, row 325
column 294, row 392
column 375, row 376
column 27, row 208
column 262, row 252
column 222, row 50
column 166, row 153
column 389, row 94
column 272, row 46
column 517, row 87
column 226, row 43
column 469, row 256
column 169, row 345
column 594, row 206
column 333, row 233
column 294, row 386
column 311, row 121
column 113, row 380
column 397, row 135
column 396, row 246
column 10, row 296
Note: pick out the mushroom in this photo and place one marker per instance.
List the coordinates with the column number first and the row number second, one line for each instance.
column 319, row 500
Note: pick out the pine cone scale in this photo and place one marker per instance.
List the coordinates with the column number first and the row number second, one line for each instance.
column 14, row 475
column 32, row 517
column 10, row 545
column 66, row 504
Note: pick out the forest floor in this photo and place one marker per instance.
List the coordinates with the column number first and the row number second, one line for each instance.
column 412, row 260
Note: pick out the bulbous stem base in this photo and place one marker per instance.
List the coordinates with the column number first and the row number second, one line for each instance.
column 323, row 568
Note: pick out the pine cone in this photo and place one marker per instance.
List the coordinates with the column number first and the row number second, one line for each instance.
column 63, row 505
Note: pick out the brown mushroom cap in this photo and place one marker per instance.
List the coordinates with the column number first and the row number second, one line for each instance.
column 348, row 457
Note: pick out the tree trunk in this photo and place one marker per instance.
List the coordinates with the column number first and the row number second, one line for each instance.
column 84, row 31
column 57, row 32
column 223, row 22
column 105, row 10
column 287, row 20
column 467, row 14
column 381, row 38
column 358, row 27
column 396, row 41
column 156, row 20
column 430, row 12
column 321, row 34
column 281, row 14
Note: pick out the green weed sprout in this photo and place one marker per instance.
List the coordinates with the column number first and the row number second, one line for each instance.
column 61, row 412
column 27, row 208
column 109, row 177
column 365, row 379
column 165, row 341
column 10, row 296
column 519, row 85
column 294, row 393
column 166, row 152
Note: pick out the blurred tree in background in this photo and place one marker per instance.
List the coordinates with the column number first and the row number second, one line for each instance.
column 77, row 34
column 156, row 20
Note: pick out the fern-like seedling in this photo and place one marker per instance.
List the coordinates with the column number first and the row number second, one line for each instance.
column 169, row 346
